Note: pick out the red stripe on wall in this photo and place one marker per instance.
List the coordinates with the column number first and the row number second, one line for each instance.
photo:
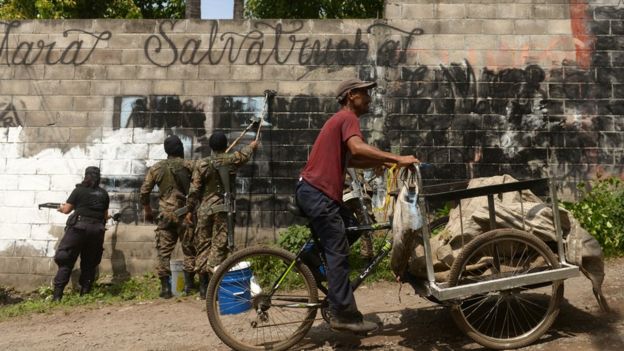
column 583, row 40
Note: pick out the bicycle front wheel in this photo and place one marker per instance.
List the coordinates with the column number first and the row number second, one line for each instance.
column 260, row 298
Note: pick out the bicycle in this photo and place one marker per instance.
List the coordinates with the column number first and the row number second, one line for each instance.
column 274, row 310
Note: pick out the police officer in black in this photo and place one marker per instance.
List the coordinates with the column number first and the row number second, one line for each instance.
column 84, row 233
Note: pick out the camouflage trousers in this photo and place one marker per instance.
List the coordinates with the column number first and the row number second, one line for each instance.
column 167, row 235
column 210, row 241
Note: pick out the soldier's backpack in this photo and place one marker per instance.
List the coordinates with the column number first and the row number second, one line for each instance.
column 175, row 176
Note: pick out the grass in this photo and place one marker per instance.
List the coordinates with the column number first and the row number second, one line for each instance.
column 137, row 289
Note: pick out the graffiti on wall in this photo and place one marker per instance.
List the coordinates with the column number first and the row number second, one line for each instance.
column 184, row 118
column 276, row 45
column 8, row 115
column 264, row 44
column 26, row 53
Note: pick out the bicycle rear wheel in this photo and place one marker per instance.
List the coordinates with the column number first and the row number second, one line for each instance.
column 506, row 318
column 249, row 310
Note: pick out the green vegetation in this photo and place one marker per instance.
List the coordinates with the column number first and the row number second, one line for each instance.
column 601, row 212
column 137, row 288
column 314, row 9
column 66, row 9
column 295, row 236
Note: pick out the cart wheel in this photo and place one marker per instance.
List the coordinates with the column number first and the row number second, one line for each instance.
column 509, row 318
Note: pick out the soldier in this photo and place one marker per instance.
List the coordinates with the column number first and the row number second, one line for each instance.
column 207, row 197
column 173, row 177
column 84, row 233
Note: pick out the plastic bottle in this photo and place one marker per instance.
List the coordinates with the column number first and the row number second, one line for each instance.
column 311, row 257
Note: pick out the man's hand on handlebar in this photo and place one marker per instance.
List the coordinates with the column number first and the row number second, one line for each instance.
column 406, row 161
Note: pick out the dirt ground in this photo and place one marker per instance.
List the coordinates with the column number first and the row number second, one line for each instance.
column 410, row 323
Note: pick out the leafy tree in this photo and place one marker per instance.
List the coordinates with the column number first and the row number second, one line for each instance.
column 314, row 9
column 58, row 9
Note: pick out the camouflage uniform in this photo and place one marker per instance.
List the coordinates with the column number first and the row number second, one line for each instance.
column 170, row 228
column 206, row 195
column 353, row 204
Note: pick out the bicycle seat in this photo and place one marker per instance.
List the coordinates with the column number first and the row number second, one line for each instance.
column 294, row 209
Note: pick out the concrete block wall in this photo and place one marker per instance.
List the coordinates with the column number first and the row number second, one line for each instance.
column 477, row 88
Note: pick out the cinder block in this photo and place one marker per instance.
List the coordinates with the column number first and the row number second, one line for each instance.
column 140, row 26
column 155, row 136
column 240, row 72
column 199, row 87
column 44, row 266
column 88, row 103
column 6, row 247
column 30, row 72
column 17, row 198
column 90, row 72
column 69, row 119
column 151, row 72
column 109, row 88
column 182, row 72
column 106, row 57
column 484, row 11
column 67, row 182
column 8, row 182
column 466, row 26
column 138, row 167
column 21, row 166
column 116, row 167
column 11, row 230
column 558, row 27
column 59, row 72
column 82, row 135
column 514, row 11
column 496, row 26
column 134, row 57
column 121, row 72
column 53, row 135
column 450, row 11
column 551, row 11
column 26, row 282
column 33, row 182
column 214, row 72
column 524, row 27
column 72, row 87
column 115, row 136
column 10, row 151
column 167, row 87
column 393, row 11
column 244, row 88
column 157, row 152
column 15, row 87
column 136, row 87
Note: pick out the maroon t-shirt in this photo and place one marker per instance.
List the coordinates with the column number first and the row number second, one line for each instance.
column 327, row 163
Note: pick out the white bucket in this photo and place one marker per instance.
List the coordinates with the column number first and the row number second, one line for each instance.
column 177, row 277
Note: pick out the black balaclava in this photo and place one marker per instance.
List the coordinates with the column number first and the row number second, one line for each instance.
column 173, row 146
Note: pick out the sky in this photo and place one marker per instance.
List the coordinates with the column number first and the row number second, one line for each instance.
column 217, row 9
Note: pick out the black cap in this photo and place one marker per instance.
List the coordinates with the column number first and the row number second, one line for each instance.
column 218, row 141
column 347, row 85
column 92, row 170
column 173, row 146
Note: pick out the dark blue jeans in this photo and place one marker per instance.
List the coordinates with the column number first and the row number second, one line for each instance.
column 327, row 220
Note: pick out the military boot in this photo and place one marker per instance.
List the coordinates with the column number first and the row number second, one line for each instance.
column 204, row 278
column 165, row 288
column 189, row 278
column 57, row 295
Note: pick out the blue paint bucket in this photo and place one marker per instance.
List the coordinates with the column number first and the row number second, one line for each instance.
column 235, row 291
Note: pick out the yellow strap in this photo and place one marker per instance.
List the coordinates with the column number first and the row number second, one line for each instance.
column 390, row 184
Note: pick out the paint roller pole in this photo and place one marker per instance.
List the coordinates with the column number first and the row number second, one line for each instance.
column 240, row 136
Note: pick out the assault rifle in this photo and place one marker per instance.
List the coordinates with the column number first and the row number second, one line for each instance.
column 53, row 205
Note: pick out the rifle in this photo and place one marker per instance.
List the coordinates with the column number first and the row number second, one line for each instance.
column 53, row 205
column 229, row 202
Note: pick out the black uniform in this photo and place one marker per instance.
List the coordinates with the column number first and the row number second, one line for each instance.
column 84, row 236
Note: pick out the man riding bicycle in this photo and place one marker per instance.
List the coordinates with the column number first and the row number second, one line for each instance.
column 340, row 144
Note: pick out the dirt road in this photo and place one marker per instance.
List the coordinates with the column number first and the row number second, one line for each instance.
column 410, row 323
